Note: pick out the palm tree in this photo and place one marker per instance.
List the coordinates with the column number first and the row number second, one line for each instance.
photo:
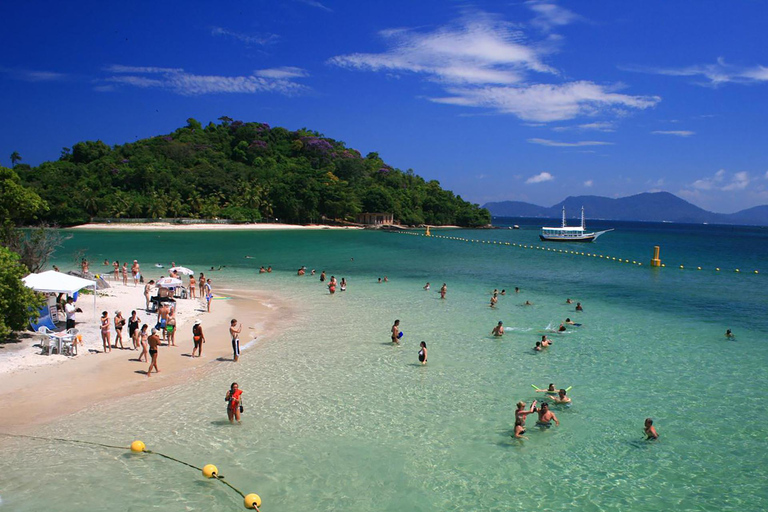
column 15, row 157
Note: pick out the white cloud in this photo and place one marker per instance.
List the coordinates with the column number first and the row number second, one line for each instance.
column 244, row 38
column 679, row 133
column 550, row 15
column 483, row 62
column 180, row 82
column 547, row 102
column 588, row 183
column 315, row 3
column 540, row 178
column 558, row 144
column 721, row 181
column 33, row 76
column 715, row 74
column 599, row 127
column 282, row 72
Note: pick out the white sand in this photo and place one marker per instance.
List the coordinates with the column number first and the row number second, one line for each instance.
column 118, row 298
column 165, row 226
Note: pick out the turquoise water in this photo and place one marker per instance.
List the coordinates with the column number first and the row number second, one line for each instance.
column 338, row 419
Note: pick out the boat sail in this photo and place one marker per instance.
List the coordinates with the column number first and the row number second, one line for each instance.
column 570, row 234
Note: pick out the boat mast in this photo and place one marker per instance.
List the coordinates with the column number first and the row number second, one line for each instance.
column 582, row 217
column 563, row 217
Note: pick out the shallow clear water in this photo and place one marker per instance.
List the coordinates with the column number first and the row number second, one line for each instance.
column 338, row 419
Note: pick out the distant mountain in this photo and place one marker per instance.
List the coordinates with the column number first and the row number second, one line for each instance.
column 648, row 207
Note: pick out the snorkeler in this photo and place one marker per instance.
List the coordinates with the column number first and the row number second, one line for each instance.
column 498, row 330
column 650, row 430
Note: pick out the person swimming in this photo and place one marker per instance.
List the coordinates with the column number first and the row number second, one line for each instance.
column 578, row 307
column 561, row 398
column 729, row 334
column 498, row 330
column 550, row 390
column 650, row 431
column 538, row 347
column 561, row 328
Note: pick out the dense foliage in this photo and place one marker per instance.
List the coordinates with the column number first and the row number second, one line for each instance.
column 17, row 302
column 240, row 171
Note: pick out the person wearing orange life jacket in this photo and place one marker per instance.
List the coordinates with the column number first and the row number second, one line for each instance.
column 234, row 403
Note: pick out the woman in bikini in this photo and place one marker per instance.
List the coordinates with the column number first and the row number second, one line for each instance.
column 106, row 335
column 119, row 324
column 143, row 337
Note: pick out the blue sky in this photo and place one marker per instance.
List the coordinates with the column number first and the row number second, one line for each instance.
column 519, row 100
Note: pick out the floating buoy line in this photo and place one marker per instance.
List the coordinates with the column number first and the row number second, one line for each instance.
column 250, row 501
column 655, row 261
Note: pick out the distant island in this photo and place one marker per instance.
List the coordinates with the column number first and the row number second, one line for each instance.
column 245, row 172
column 648, row 207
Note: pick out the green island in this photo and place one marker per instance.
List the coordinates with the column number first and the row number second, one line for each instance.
column 246, row 172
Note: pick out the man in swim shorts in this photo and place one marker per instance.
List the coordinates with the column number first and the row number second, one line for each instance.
column 234, row 332
column 546, row 417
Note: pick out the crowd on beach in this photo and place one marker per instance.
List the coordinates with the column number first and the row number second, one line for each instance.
column 159, row 326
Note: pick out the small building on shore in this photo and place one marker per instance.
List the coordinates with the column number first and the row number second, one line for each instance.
column 375, row 219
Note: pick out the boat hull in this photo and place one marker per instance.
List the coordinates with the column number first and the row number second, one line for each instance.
column 584, row 238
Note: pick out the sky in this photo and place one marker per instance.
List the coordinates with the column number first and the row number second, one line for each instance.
column 522, row 100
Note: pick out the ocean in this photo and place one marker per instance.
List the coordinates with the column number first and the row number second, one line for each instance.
column 338, row 419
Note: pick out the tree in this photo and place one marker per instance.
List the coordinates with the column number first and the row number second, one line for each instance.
column 16, row 300
column 18, row 204
column 15, row 157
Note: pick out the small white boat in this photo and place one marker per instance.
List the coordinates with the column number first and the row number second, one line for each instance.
column 570, row 234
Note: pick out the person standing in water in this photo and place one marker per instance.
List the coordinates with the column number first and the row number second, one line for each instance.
column 426, row 286
column 234, row 332
column 396, row 332
column 498, row 330
column 494, row 300
column 650, row 430
column 546, row 417
column 443, row 291
column 234, row 401
column 423, row 352
column 561, row 398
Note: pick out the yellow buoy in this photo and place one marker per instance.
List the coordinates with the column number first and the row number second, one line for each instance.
column 138, row 447
column 252, row 500
column 717, row 269
column 756, row 272
column 682, row 266
column 737, row 270
column 210, row 471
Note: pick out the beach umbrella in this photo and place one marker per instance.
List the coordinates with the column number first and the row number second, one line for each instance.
column 183, row 270
column 168, row 282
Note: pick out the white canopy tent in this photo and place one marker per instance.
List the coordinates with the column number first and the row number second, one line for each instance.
column 57, row 282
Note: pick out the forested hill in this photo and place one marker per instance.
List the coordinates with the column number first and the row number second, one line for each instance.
column 240, row 171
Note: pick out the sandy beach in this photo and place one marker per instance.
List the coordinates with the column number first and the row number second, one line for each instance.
column 165, row 226
column 59, row 385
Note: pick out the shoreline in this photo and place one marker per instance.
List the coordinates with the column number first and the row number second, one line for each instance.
column 36, row 394
column 165, row 226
